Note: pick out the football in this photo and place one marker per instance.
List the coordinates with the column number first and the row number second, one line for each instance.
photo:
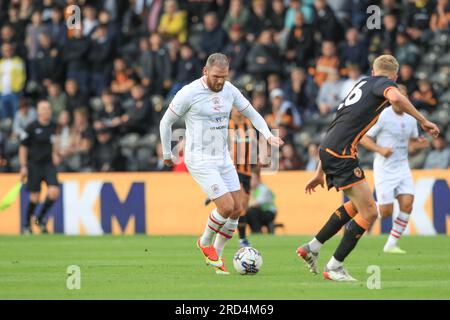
column 247, row 260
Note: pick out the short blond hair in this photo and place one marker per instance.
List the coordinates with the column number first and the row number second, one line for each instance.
column 385, row 65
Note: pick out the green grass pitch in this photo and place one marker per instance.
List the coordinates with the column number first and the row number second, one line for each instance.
column 143, row 267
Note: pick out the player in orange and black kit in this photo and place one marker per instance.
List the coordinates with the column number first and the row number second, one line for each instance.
column 338, row 161
column 243, row 149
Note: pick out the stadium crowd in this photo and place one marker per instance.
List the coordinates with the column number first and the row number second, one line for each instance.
column 110, row 76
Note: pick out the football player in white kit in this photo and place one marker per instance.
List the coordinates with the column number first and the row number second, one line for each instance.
column 206, row 104
column 396, row 133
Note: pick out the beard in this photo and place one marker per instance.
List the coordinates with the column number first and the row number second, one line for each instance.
column 212, row 87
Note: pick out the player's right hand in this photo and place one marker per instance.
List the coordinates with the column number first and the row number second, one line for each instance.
column 313, row 183
column 386, row 152
column 23, row 174
column 431, row 128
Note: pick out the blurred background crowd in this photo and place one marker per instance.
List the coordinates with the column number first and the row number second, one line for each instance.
column 110, row 79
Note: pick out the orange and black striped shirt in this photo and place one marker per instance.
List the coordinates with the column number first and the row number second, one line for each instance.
column 356, row 115
column 243, row 144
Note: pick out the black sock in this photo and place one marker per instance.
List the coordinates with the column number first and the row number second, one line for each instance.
column 30, row 211
column 351, row 237
column 334, row 224
column 47, row 204
column 241, row 226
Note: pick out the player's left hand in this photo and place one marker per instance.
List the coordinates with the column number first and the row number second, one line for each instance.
column 275, row 141
column 431, row 128
column 313, row 183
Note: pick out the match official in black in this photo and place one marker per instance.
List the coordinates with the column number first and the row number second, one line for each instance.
column 38, row 159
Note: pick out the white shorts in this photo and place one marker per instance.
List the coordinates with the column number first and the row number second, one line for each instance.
column 215, row 177
column 388, row 187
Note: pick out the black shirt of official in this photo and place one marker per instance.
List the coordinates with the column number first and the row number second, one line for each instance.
column 39, row 140
column 356, row 115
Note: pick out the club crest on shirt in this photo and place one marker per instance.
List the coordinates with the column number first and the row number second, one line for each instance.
column 358, row 172
column 216, row 102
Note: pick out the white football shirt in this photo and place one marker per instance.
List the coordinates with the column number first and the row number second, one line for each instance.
column 394, row 131
column 207, row 114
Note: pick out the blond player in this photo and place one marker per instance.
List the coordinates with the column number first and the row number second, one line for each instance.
column 206, row 104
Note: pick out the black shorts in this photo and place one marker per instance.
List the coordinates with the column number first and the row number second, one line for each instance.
column 41, row 172
column 341, row 173
column 245, row 182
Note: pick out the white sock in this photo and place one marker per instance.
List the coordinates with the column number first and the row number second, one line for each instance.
column 214, row 224
column 225, row 234
column 333, row 264
column 398, row 227
column 315, row 245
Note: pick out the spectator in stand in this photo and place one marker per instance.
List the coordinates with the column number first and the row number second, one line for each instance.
column 23, row 117
column 173, row 49
column 277, row 16
column 258, row 20
column 16, row 22
column 33, row 31
column 76, row 157
column 405, row 50
column 406, row 78
column 213, row 37
column 109, row 117
column 112, row 27
column 57, row 28
column 8, row 35
column 294, row 7
column 138, row 117
column 90, row 21
column 12, row 75
column 106, row 156
column 63, row 136
column 123, row 78
column 326, row 63
column 74, row 97
column 48, row 64
column 417, row 19
column 236, row 50
column 353, row 51
column 74, row 55
column 424, row 98
column 313, row 157
column 273, row 82
column 389, row 33
column 440, row 18
column 299, row 90
column 188, row 69
column 173, row 22
column 237, row 15
column 100, row 58
column 155, row 66
column 289, row 159
column 283, row 112
column 263, row 58
column 259, row 101
column 328, row 98
column 325, row 22
column 439, row 157
column 354, row 76
column 153, row 15
column 300, row 42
